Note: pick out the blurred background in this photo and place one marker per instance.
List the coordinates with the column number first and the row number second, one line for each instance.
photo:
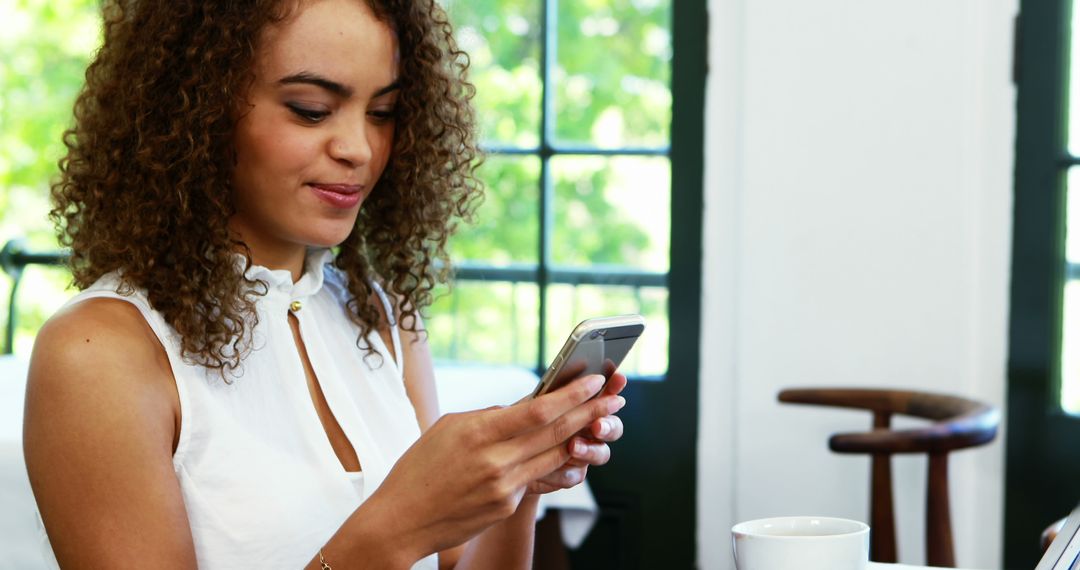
column 793, row 193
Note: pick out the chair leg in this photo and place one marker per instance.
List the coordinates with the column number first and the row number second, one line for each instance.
column 882, row 525
column 939, row 541
column 549, row 553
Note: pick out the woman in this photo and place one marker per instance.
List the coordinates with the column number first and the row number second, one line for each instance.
column 226, row 391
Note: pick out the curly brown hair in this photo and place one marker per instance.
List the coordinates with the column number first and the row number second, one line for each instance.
column 145, row 188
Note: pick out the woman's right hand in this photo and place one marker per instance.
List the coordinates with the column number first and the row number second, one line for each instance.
column 470, row 470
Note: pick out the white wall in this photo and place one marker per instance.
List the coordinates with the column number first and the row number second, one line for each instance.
column 857, row 232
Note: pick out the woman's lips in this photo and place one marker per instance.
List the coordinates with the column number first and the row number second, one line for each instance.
column 342, row 196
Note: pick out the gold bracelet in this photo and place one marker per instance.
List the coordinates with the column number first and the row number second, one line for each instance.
column 322, row 562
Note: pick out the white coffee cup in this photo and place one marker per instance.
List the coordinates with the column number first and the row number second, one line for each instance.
column 801, row 543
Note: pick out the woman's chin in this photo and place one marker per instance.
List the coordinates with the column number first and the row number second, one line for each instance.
column 329, row 238
column 327, row 242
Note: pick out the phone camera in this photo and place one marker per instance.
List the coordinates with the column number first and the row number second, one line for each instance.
column 594, row 334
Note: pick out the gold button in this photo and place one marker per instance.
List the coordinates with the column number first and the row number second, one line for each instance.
column 295, row 306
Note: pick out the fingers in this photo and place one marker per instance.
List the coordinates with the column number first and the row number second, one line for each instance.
column 562, row 377
column 543, row 464
column 583, row 451
column 616, row 383
column 562, row 428
column 563, row 478
column 606, row 429
column 531, row 414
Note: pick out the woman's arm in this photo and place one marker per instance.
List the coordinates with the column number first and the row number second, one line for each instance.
column 467, row 472
column 509, row 543
column 101, row 424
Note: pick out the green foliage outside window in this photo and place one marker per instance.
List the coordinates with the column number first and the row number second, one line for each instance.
column 611, row 89
column 46, row 45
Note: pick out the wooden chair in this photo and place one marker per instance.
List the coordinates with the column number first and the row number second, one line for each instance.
column 958, row 423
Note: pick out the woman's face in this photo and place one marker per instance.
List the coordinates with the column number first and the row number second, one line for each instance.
column 317, row 129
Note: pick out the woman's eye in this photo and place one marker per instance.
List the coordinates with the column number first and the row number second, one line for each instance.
column 309, row 115
column 383, row 115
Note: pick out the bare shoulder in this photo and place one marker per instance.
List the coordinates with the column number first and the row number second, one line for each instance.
column 96, row 320
column 99, row 356
column 99, row 340
column 100, row 399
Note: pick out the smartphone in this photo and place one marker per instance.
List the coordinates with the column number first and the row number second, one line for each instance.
column 597, row 346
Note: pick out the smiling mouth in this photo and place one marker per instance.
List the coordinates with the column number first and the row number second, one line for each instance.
column 340, row 196
column 338, row 188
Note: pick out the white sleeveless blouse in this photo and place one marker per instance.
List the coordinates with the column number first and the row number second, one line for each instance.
column 261, row 483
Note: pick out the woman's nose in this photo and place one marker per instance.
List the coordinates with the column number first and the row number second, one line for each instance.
column 352, row 145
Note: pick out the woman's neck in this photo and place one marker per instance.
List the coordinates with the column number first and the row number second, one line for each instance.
column 291, row 261
column 273, row 254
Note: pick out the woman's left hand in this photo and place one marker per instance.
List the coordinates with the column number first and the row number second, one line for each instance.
column 587, row 447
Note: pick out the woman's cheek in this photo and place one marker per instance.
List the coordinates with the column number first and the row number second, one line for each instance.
column 386, row 145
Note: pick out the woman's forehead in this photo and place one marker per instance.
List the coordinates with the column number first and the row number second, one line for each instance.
column 342, row 39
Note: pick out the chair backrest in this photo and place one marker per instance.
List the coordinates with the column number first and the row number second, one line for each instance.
column 957, row 423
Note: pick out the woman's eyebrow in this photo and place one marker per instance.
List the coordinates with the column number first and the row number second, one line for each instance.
column 388, row 89
column 318, row 81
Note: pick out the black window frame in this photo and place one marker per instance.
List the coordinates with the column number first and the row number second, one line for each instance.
column 686, row 194
column 1034, row 497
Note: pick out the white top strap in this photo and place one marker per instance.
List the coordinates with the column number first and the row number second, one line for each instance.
column 399, row 356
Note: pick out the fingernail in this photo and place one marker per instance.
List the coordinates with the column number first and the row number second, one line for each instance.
column 616, row 404
column 578, row 447
column 605, row 428
column 594, row 383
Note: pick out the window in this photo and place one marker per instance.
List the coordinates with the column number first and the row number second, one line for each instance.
column 1070, row 334
column 1041, row 467
column 574, row 104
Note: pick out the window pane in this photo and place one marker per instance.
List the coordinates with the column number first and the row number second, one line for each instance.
column 1072, row 219
column 1070, row 333
column 502, row 38
column 507, row 222
column 614, row 68
column 490, row 323
column 568, row 305
column 1070, row 349
column 612, row 211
